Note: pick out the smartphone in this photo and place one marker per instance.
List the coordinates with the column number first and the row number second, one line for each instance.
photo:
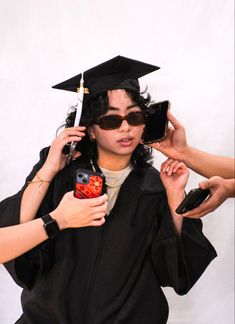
column 192, row 200
column 156, row 122
column 88, row 184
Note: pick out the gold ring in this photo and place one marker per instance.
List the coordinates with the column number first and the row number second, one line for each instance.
column 61, row 136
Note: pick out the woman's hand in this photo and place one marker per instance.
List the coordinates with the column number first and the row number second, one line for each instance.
column 174, row 144
column 56, row 159
column 220, row 190
column 174, row 175
column 71, row 212
column 74, row 213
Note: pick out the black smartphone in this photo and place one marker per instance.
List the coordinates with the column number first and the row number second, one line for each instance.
column 192, row 200
column 156, row 122
column 88, row 184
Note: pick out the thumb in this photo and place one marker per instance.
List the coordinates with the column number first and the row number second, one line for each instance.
column 204, row 184
column 77, row 155
column 70, row 194
column 155, row 145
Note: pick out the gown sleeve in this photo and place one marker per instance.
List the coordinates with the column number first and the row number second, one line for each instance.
column 180, row 260
column 25, row 268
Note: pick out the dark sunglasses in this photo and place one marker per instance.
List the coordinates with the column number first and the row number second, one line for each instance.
column 134, row 118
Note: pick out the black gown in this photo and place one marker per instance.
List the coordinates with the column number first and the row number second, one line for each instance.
column 110, row 274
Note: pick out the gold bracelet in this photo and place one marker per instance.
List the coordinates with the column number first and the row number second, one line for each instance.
column 39, row 180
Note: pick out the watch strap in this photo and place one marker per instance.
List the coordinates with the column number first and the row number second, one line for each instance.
column 50, row 225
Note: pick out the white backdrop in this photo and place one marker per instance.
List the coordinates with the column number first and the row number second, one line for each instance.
column 45, row 42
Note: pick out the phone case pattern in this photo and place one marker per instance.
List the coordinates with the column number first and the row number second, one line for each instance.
column 91, row 189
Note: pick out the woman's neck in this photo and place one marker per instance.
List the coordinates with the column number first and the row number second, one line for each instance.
column 114, row 163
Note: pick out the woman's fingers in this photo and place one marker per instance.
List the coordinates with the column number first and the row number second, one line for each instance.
column 176, row 124
column 179, row 167
column 98, row 201
column 200, row 211
column 77, row 154
column 168, row 165
column 79, row 131
column 171, row 166
column 72, row 139
column 98, row 222
column 100, row 209
column 68, row 136
column 72, row 134
column 75, row 213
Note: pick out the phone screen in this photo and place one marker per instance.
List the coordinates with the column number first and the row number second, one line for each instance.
column 156, row 122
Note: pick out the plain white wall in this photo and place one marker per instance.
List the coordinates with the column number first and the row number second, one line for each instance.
column 45, row 42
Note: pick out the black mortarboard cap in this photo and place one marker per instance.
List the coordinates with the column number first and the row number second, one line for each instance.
column 118, row 73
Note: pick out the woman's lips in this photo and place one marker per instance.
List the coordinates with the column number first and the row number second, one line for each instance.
column 126, row 141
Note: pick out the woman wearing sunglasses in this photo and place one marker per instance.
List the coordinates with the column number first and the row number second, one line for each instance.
column 109, row 273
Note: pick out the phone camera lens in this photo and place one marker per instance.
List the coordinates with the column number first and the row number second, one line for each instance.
column 84, row 180
column 80, row 175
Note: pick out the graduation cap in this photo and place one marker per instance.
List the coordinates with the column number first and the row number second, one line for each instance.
column 118, row 73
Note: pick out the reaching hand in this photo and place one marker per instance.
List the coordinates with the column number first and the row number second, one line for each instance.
column 220, row 189
column 174, row 144
column 73, row 212
column 56, row 160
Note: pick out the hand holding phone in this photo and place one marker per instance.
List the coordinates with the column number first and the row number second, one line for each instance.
column 88, row 184
column 192, row 200
column 156, row 122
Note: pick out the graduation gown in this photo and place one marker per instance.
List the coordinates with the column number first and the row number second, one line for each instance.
column 110, row 274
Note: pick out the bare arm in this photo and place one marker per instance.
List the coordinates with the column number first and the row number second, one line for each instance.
column 71, row 212
column 16, row 240
column 208, row 165
column 37, row 188
column 174, row 176
column 175, row 146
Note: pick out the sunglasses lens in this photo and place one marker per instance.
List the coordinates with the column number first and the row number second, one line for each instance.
column 136, row 118
column 110, row 122
column 114, row 121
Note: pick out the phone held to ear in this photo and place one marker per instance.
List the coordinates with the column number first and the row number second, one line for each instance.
column 71, row 148
column 156, row 122
column 192, row 200
column 88, row 184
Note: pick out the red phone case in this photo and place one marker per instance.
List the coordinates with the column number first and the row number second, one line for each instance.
column 88, row 184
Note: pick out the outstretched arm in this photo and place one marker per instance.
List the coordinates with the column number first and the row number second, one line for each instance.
column 70, row 213
column 175, row 146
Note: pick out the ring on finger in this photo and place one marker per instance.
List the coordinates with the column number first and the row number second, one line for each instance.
column 61, row 136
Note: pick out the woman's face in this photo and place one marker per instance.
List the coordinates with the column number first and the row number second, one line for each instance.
column 123, row 140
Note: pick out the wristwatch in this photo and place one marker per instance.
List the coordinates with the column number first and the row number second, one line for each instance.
column 50, row 225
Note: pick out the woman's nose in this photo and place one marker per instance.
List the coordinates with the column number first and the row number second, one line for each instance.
column 125, row 126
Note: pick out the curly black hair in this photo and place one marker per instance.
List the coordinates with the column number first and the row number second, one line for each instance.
column 96, row 106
